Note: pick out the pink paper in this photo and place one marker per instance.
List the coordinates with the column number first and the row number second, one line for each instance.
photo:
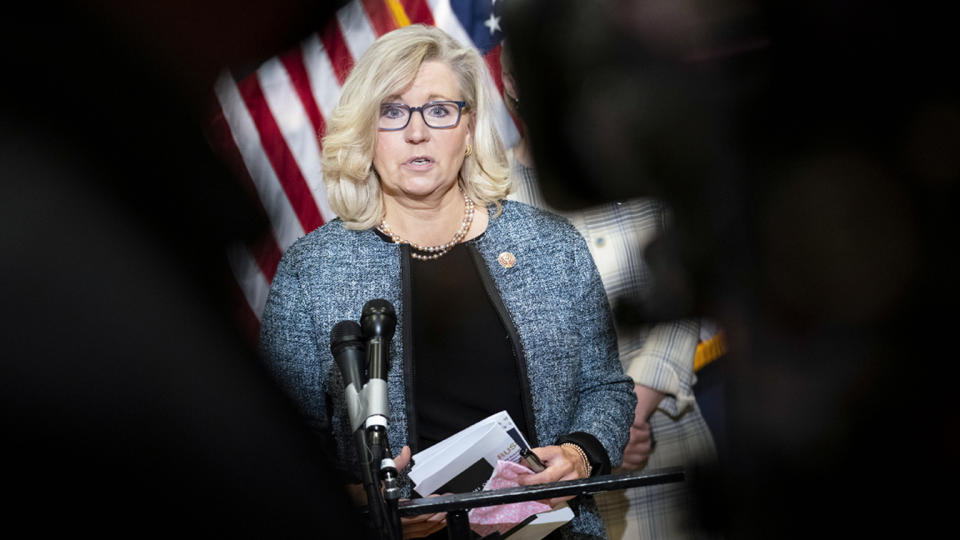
column 486, row 520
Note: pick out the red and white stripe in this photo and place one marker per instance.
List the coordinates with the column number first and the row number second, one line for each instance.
column 271, row 123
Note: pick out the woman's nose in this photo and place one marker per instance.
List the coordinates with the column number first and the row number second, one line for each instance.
column 416, row 130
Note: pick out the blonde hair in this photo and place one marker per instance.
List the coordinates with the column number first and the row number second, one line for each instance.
column 389, row 65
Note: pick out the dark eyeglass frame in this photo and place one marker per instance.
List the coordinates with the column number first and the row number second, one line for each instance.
column 410, row 110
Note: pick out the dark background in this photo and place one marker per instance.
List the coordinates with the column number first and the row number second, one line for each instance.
column 811, row 154
column 131, row 404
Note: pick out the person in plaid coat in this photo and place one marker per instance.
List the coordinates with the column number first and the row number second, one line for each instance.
column 668, row 428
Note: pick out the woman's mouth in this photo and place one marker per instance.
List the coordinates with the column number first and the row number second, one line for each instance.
column 419, row 162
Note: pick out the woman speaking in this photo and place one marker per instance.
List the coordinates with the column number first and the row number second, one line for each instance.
column 499, row 305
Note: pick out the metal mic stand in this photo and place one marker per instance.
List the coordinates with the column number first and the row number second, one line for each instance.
column 368, row 408
column 380, row 467
column 381, row 503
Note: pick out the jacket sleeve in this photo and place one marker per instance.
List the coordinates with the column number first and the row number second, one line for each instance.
column 289, row 344
column 665, row 360
column 607, row 401
column 665, row 363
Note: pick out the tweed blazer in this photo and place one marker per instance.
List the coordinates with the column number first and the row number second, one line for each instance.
column 553, row 297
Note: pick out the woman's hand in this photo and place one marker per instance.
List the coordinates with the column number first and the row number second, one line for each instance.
column 423, row 524
column 640, row 447
column 562, row 464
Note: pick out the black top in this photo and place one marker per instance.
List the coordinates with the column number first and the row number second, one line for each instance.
column 463, row 373
column 464, row 366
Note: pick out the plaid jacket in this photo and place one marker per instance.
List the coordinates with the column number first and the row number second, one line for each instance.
column 659, row 356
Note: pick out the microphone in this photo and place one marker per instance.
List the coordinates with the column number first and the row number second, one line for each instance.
column 379, row 321
column 349, row 352
column 346, row 344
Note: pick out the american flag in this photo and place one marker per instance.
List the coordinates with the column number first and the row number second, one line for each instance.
column 268, row 124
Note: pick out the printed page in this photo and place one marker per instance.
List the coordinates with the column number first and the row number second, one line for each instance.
column 471, row 434
column 506, row 422
column 430, row 461
column 493, row 445
column 466, row 437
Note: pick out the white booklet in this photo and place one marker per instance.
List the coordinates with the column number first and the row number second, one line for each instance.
column 464, row 462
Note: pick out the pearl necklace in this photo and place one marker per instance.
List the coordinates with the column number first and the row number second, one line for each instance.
column 435, row 252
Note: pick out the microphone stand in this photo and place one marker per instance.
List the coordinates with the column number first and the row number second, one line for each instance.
column 378, row 321
column 370, row 435
column 382, row 509
column 379, row 467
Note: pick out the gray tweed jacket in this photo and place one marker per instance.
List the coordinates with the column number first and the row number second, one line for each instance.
column 553, row 297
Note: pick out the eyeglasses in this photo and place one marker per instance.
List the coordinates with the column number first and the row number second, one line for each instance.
column 435, row 114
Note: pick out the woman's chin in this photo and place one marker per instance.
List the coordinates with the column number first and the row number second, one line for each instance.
column 423, row 190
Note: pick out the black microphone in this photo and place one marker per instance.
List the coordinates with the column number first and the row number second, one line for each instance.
column 347, row 346
column 379, row 321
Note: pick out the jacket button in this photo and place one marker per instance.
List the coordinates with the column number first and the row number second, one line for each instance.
column 507, row 260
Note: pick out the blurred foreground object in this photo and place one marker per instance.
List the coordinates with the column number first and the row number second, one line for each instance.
column 809, row 152
column 668, row 429
column 130, row 403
